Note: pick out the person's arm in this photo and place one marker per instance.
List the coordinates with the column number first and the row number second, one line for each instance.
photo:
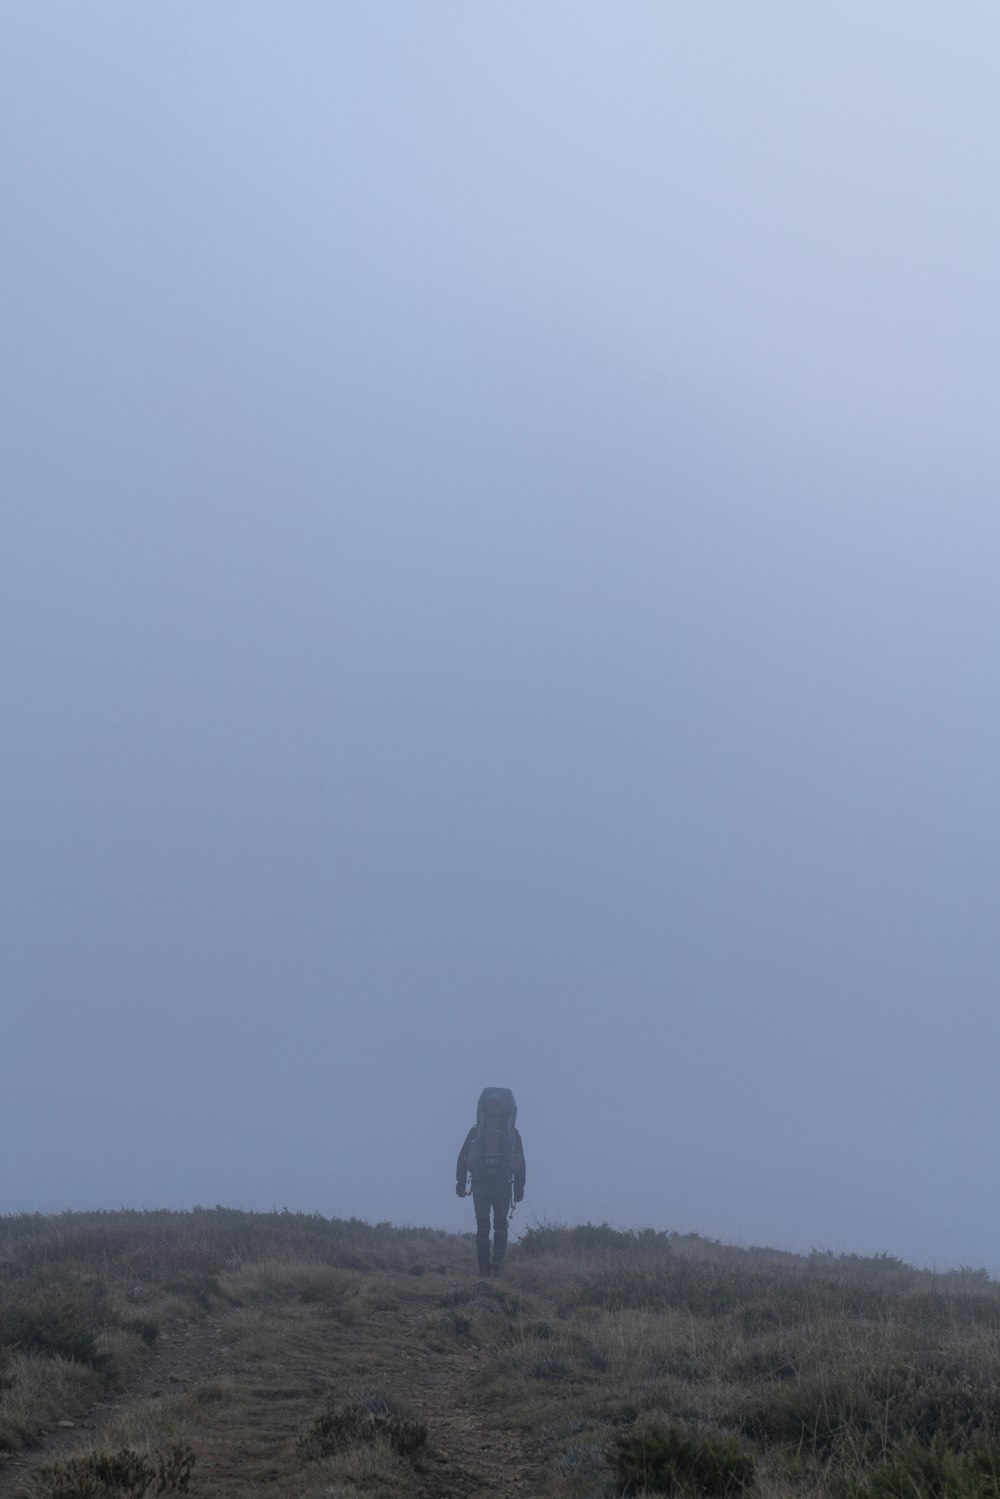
column 520, row 1170
column 462, row 1165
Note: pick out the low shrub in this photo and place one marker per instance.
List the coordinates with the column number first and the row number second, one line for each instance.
column 667, row 1460
column 364, row 1422
column 56, row 1320
column 934, row 1471
column 115, row 1475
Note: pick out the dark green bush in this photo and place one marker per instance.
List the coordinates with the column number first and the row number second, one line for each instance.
column 361, row 1423
column 666, row 1460
column 115, row 1475
column 917, row 1470
column 56, row 1320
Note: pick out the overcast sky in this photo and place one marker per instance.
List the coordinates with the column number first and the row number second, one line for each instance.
column 498, row 586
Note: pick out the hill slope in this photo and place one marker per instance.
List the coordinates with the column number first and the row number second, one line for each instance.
column 220, row 1353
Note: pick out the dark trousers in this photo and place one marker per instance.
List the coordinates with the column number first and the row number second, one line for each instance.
column 490, row 1197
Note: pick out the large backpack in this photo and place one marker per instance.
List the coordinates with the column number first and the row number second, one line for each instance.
column 491, row 1157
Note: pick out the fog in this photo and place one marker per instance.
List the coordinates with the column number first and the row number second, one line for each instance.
column 498, row 587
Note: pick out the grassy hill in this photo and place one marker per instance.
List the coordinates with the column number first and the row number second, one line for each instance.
column 221, row 1353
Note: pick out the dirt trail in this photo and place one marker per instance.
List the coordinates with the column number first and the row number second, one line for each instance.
column 464, row 1457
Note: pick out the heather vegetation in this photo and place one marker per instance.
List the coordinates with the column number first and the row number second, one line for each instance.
column 322, row 1357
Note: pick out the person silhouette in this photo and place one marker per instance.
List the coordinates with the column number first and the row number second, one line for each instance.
column 493, row 1157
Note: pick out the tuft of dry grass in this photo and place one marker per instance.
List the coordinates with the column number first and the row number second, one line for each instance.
column 38, row 1391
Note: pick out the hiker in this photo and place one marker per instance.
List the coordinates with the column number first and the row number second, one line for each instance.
column 493, row 1156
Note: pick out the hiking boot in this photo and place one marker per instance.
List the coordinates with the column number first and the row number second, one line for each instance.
column 499, row 1250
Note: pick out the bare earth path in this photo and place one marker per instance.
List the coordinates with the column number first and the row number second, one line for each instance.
column 476, row 1459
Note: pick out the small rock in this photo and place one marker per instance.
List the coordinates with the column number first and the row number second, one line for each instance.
column 67, row 1423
